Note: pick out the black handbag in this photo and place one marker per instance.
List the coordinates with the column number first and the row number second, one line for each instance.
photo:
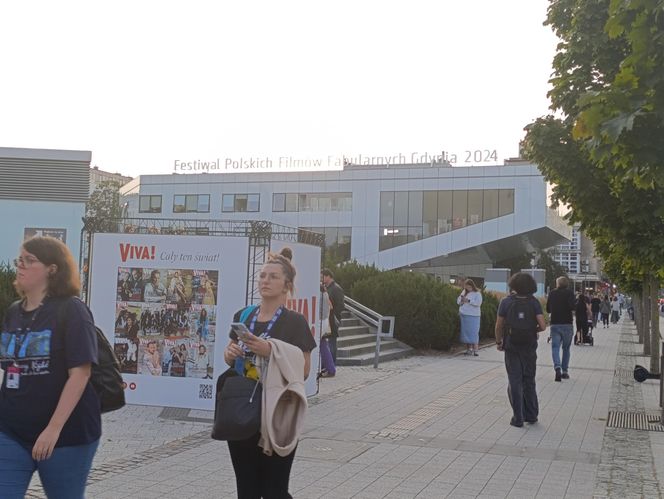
column 237, row 410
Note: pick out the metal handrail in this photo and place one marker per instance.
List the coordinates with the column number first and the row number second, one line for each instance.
column 372, row 318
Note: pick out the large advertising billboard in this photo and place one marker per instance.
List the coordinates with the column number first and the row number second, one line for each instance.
column 165, row 303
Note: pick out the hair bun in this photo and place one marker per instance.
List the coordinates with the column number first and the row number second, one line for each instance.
column 287, row 253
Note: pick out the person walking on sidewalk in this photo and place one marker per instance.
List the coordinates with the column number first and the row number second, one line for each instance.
column 615, row 310
column 337, row 296
column 520, row 317
column 595, row 303
column 50, row 415
column 470, row 301
column 560, row 305
column 582, row 313
column 605, row 310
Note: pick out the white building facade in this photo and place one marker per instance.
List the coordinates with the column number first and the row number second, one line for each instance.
column 441, row 220
column 42, row 192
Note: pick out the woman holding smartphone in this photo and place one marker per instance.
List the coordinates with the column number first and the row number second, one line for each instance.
column 470, row 301
column 256, row 474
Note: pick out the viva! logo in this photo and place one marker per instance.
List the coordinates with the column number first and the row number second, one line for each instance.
column 133, row 252
column 307, row 308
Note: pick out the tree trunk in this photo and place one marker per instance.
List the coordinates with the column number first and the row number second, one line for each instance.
column 638, row 319
column 654, row 335
column 646, row 317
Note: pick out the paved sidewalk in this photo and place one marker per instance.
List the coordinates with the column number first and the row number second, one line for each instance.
column 425, row 427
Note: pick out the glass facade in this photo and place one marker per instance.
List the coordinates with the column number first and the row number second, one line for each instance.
column 337, row 240
column 323, row 201
column 149, row 204
column 231, row 203
column 407, row 216
column 191, row 203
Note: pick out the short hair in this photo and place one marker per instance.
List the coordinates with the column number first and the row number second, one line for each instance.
column 154, row 273
column 522, row 284
column 562, row 282
column 470, row 283
column 328, row 273
column 65, row 281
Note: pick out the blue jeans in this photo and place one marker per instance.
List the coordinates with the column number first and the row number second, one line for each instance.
column 63, row 475
column 561, row 334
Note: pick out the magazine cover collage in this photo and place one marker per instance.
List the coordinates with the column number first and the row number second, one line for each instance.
column 165, row 321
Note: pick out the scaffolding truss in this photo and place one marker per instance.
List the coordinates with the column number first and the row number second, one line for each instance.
column 259, row 232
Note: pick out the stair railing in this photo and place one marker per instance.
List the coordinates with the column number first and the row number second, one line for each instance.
column 384, row 324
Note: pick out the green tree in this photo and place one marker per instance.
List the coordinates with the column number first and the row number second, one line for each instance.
column 103, row 207
column 7, row 292
column 602, row 151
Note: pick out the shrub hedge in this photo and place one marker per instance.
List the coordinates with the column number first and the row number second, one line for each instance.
column 7, row 292
column 347, row 274
column 427, row 316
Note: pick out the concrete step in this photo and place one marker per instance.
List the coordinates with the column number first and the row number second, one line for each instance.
column 350, row 322
column 364, row 348
column 368, row 359
column 353, row 330
column 355, row 339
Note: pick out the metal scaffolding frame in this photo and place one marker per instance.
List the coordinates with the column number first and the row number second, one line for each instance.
column 259, row 232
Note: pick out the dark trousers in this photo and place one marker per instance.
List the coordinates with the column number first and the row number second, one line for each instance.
column 257, row 475
column 605, row 319
column 521, row 391
column 332, row 343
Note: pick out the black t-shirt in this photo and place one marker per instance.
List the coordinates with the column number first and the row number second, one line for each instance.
column 290, row 327
column 594, row 305
column 560, row 304
column 44, row 355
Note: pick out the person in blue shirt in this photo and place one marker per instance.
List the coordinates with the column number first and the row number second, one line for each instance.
column 50, row 415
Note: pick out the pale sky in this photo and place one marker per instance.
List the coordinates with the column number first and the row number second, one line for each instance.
column 144, row 83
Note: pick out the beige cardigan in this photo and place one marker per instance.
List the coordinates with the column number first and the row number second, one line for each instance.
column 284, row 399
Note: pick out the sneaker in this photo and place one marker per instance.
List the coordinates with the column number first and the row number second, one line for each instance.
column 564, row 376
column 475, row 354
column 468, row 352
column 531, row 421
column 558, row 374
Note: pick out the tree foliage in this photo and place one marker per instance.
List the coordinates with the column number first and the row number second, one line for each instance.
column 603, row 149
column 102, row 207
column 7, row 292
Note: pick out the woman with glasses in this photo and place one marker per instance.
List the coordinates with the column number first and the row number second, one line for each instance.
column 50, row 418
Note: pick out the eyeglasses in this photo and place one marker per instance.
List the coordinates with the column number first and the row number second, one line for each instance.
column 26, row 262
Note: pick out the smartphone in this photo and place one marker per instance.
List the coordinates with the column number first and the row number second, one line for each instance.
column 240, row 331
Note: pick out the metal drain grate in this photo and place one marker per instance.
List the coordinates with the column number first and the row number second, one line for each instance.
column 624, row 374
column 634, row 421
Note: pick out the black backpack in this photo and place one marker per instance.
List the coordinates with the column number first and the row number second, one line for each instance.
column 105, row 378
column 521, row 321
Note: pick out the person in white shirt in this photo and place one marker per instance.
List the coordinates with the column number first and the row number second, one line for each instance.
column 470, row 301
column 151, row 361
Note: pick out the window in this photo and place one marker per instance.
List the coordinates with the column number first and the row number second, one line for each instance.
column 324, row 201
column 430, row 213
column 240, row 203
column 490, row 210
column 191, row 203
column 407, row 216
column 505, row 202
column 475, row 206
column 278, row 202
column 459, row 209
column 149, row 204
column 337, row 241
